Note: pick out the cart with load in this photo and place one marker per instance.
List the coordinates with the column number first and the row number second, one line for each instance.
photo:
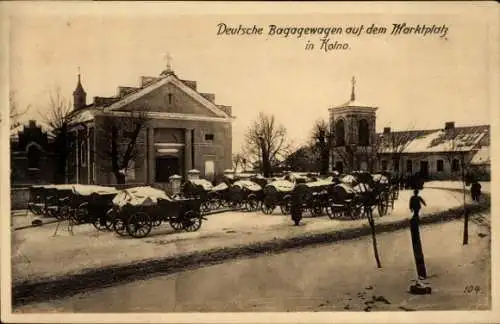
column 90, row 203
column 137, row 210
column 315, row 196
column 345, row 202
column 246, row 193
column 200, row 189
column 277, row 193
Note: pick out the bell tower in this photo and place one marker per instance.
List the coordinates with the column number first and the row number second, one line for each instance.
column 79, row 95
column 353, row 127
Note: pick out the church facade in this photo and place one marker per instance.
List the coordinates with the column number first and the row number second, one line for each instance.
column 438, row 154
column 161, row 128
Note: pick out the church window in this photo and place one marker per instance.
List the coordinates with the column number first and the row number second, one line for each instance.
column 363, row 133
column 33, row 157
column 339, row 133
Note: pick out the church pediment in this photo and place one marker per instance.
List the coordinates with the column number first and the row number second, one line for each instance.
column 170, row 95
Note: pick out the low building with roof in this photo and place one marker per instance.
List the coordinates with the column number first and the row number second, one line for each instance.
column 438, row 153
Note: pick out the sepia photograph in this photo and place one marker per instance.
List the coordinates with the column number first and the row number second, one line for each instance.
column 246, row 162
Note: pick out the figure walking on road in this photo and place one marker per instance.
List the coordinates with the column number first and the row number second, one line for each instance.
column 475, row 190
column 416, row 203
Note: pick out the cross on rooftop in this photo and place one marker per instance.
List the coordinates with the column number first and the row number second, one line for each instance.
column 168, row 60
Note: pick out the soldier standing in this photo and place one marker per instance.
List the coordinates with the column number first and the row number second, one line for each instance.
column 296, row 204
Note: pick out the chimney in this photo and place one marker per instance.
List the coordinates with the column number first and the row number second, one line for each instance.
column 387, row 130
column 449, row 125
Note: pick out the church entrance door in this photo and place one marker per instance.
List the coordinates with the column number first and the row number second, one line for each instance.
column 167, row 166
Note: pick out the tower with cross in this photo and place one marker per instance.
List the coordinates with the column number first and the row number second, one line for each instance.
column 353, row 125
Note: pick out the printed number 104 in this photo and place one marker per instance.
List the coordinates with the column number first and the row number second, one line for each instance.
column 469, row 289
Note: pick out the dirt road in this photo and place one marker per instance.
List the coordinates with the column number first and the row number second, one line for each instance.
column 335, row 277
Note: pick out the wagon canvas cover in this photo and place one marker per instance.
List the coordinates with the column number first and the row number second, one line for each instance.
column 146, row 196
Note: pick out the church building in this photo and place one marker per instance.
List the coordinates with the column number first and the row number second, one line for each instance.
column 163, row 127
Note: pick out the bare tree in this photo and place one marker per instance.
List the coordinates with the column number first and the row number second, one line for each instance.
column 14, row 112
column 58, row 118
column 118, row 138
column 459, row 159
column 322, row 143
column 239, row 159
column 266, row 141
column 395, row 144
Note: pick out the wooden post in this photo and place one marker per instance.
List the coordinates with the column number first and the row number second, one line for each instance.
column 417, row 246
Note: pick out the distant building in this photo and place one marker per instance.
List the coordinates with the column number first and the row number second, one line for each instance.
column 438, row 153
column 32, row 156
column 434, row 154
column 184, row 129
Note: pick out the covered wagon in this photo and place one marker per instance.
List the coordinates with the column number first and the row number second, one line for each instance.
column 277, row 193
column 137, row 210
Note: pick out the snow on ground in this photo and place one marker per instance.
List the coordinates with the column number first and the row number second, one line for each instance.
column 37, row 253
column 333, row 277
column 485, row 185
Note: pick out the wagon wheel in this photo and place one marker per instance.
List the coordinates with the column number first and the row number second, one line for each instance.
column 329, row 210
column 191, row 222
column 78, row 215
column 156, row 221
column 268, row 208
column 356, row 211
column 317, row 210
column 176, row 223
column 119, row 226
column 285, row 206
column 109, row 218
column 139, row 224
column 205, row 206
column 63, row 213
column 100, row 223
column 33, row 209
column 235, row 204
column 383, row 206
column 252, row 204
column 216, row 203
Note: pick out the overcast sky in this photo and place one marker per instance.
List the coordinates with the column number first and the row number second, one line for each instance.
column 416, row 81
